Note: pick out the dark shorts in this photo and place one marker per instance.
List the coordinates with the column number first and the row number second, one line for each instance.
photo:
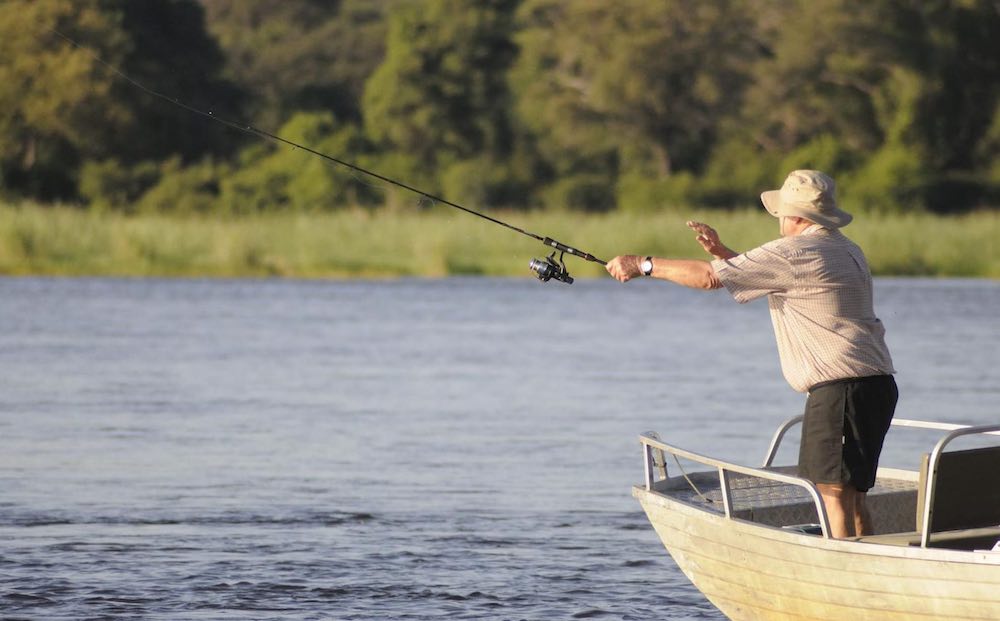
column 844, row 427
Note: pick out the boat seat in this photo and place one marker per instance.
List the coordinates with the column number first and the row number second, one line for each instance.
column 967, row 539
column 965, row 502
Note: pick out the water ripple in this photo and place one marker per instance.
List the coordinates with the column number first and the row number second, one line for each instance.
column 177, row 450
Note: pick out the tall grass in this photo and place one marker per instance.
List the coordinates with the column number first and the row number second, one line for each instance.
column 441, row 241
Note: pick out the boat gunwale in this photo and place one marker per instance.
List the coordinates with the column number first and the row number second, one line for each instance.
column 796, row 538
column 701, row 544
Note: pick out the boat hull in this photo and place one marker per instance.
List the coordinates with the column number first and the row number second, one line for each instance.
column 753, row 572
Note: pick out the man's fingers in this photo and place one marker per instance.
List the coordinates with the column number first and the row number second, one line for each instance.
column 700, row 227
column 613, row 268
column 618, row 268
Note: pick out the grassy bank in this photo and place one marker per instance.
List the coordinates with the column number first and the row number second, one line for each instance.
column 440, row 241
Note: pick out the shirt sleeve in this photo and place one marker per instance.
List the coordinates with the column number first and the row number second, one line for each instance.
column 765, row 270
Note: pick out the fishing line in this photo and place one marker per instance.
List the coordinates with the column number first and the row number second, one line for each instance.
column 545, row 269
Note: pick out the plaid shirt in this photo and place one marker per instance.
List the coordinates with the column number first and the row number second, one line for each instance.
column 819, row 290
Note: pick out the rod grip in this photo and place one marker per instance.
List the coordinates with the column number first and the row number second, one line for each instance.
column 576, row 252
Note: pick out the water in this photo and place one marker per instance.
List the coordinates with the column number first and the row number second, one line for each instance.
column 186, row 449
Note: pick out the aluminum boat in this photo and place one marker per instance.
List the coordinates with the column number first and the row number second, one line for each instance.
column 756, row 540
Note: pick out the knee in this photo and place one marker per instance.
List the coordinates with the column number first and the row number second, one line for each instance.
column 838, row 490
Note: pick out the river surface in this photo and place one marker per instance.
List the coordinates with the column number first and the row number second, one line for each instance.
column 416, row 449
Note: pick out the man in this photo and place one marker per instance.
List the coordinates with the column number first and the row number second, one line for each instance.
column 830, row 342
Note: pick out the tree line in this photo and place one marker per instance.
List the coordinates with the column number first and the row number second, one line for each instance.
column 580, row 104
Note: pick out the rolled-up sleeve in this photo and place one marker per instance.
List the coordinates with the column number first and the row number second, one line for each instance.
column 762, row 271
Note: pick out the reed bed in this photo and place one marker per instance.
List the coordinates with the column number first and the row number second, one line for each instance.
column 435, row 242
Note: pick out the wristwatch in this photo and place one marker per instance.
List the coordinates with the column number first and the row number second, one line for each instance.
column 647, row 266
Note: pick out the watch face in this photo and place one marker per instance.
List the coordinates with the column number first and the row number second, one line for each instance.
column 647, row 267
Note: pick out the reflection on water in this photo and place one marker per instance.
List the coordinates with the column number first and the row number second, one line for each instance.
column 407, row 449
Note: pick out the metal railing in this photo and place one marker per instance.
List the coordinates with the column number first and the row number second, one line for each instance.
column 654, row 450
column 772, row 450
column 657, row 464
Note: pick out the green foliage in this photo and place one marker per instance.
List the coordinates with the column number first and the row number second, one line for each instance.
column 281, row 177
column 440, row 96
column 590, row 192
column 899, row 89
column 586, row 105
column 738, row 171
column 480, row 182
column 890, row 181
column 108, row 184
column 55, row 100
column 987, row 150
column 297, row 56
column 823, row 152
column 640, row 193
column 439, row 242
column 184, row 189
column 60, row 106
column 958, row 100
column 636, row 84
column 170, row 51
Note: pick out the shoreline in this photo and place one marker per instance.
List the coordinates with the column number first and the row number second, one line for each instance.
column 437, row 242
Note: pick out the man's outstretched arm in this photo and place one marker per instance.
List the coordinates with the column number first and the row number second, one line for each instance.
column 688, row 272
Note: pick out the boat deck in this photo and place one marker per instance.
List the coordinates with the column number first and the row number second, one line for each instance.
column 892, row 502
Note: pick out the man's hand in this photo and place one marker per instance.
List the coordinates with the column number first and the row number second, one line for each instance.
column 625, row 267
column 709, row 240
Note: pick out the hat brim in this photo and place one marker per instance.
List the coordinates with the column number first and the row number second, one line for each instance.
column 772, row 201
column 833, row 218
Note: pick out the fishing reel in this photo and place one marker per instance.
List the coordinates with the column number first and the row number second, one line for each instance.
column 549, row 268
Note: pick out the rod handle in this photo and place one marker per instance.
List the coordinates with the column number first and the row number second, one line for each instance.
column 576, row 252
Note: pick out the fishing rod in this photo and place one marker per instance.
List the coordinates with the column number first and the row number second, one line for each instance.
column 549, row 268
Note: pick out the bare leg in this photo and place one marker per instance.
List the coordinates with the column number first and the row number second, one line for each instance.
column 862, row 518
column 839, row 502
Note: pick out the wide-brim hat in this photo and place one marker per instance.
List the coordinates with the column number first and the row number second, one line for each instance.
column 808, row 194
